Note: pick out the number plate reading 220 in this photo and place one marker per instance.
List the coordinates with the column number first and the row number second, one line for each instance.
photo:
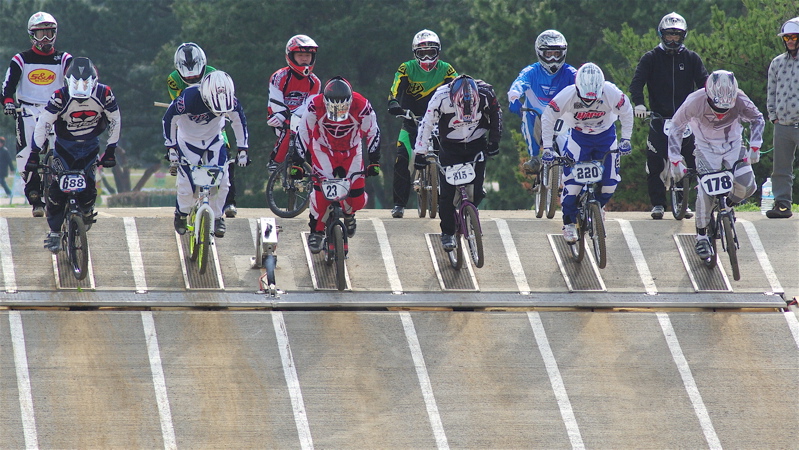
column 72, row 183
column 717, row 183
column 587, row 172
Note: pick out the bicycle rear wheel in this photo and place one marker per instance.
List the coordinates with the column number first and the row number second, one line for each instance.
column 474, row 236
column 420, row 186
column 286, row 196
column 553, row 186
column 679, row 191
column 432, row 196
column 204, row 237
column 731, row 246
column 596, row 230
column 338, row 242
column 578, row 248
column 77, row 246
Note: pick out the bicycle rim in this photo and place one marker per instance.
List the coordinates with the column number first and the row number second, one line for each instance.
column 194, row 249
column 597, row 233
column 420, row 183
column 474, row 236
column 338, row 240
column 541, row 193
column 286, row 196
column 432, row 176
column 553, row 186
column 578, row 248
column 78, row 246
column 456, row 256
column 731, row 246
column 679, row 197
column 204, row 243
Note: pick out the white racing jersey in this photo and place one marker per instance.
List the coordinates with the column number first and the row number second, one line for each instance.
column 189, row 119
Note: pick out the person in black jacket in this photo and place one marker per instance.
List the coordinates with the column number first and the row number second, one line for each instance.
column 671, row 72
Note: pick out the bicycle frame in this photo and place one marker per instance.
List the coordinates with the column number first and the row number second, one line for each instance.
column 467, row 216
column 718, row 184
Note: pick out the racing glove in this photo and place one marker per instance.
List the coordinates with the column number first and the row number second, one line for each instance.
column 548, row 157
column 276, row 120
column 493, row 148
column 10, row 109
column 419, row 163
column 640, row 111
column 625, row 148
column 33, row 162
column 373, row 170
column 678, row 170
column 395, row 109
column 754, row 155
column 109, row 159
column 242, row 158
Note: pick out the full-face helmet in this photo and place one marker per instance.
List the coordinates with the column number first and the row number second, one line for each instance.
column 80, row 78
column 590, row 83
column 464, row 97
column 721, row 88
column 672, row 24
column 218, row 92
column 337, row 98
column 550, row 47
column 304, row 44
column 42, row 29
column 426, row 48
column 190, row 62
column 789, row 29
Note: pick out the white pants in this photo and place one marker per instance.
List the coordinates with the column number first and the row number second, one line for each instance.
column 187, row 192
column 743, row 180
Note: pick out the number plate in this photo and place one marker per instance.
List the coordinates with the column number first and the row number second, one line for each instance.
column 336, row 188
column 72, row 183
column 667, row 128
column 459, row 174
column 207, row 175
column 587, row 172
column 716, row 183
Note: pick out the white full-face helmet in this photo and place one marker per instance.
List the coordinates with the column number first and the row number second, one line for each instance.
column 218, row 92
column 550, row 47
column 721, row 88
column 42, row 29
column 190, row 61
column 675, row 25
column 426, row 49
column 590, row 83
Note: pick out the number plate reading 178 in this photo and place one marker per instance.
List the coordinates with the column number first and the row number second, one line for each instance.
column 717, row 183
column 336, row 188
column 72, row 182
column 587, row 172
column 459, row 174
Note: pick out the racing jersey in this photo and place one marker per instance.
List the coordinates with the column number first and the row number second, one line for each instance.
column 34, row 76
column 413, row 86
column 288, row 91
column 713, row 134
column 319, row 133
column 441, row 112
column 593, row 119
column 190, row 120
column 535, row 87
column 79, row 119
column 175, row 84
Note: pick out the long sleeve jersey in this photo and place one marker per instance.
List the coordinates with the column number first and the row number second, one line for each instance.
column 320, row 134
column 669, row 78
column 713, row 134
column 441, row 112
column 535, row 87
column 175, row 84
column 190, row 120
column 288, row 91
column 33, row 76
column 413, row 86
column 782, row 102
column 594, row 119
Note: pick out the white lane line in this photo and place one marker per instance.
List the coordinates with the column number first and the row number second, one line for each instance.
column 793, row 324
column 388, row 257
column 134, row 249
column 424, row 380
column 513, row 257
column 556, row 380
column 292, row 381
column 638, row 257
column 760, row 251
column 6, row 261
column 23, row 380
column 159, row 384
column 688, row 380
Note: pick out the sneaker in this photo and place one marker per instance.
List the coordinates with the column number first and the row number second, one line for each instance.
column 657, row 212
column 688, row 213
column 219, row 227
column 397, row 212
column 38, row 211
column 89, row 219
column 271, row 166
column 315, row 241
column 570, row 233
column 349, row 224
column 448, row 242
column 703, row 247
column 781, row 210
column 533, row 166
column 231, row 211
column 52, row 241
column 180, row 223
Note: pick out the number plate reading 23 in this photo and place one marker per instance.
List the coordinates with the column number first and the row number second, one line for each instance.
column 335, row 189
column 717, row 183
column 587, row 172
column 72, row 182
column 459, row 174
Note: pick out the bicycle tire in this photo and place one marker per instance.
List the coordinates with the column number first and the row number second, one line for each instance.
column 269, row 263
column 541, row 194
column 420, row 182
column 553, row 186
column 77, row 246
column 474, row 235
column 713, row 235
column 47, row 178
column 596, row 230
column 194, row 249
column 204, row 242
column 432, row 176
column 456, row 256
column 679, row 197
column 578, row 248
column 338, row 243
column 285, row 196
column 731, row 247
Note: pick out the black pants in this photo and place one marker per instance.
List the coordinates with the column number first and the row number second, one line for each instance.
column 456, row 154
column 402, row 172
column 657, row 156
column 231, row 194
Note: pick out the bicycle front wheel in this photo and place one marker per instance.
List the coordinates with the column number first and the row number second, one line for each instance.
column 286, row 196
column 203, row 237
column 474, row 236
column 731, row 246
column 77, row 246
column 194, row 249
column 553, row 186
column 679, row 191
column 420, row 186
column 541, row 192
column 432, row 179
column 456, row 256
column 578, row 248
column 596, row 230
column 338, row 243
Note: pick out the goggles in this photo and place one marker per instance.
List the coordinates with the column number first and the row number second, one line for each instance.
column 552, row 55
column 426, row 54
column 678, row 33
column 790, row 37
column 44, row 33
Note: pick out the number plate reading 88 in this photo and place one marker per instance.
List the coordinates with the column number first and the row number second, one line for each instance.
column 335, row 189
column 459, row 174
column 717, row 183
column 587, row 172
column 72, row 183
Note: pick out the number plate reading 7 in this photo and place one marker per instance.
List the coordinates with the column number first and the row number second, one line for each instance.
column 335, row 189
column 717, row 183
column 72, row 183
column 587, row 172
column 207, row 175
column 459, row 174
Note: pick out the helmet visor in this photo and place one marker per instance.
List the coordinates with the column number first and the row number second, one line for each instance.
column 44, row 34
